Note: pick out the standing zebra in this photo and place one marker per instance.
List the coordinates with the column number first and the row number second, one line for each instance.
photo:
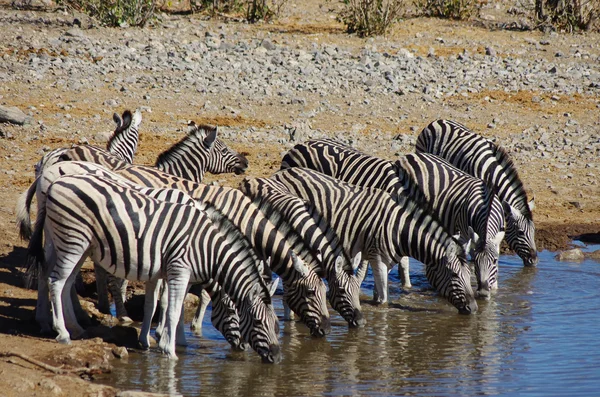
column 462, row 203
column 304, row 292
column 369, row 221
column 137, row 237
column 198, row 152
column 342, row 278
column 483, row 159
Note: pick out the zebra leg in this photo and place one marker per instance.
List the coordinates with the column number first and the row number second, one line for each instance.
column 75, row 309
column 71, row 306
column 180, row 339
column 149, row 308
column 43, row 314
column 58, row 279
column 102, row 289
column 118, row 289
column 162, row 308
column 380, row 276
column 403, row 272
column 178, row 285
column 200, row 311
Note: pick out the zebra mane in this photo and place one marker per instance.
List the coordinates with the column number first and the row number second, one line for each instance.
column 238, row 240
column 508, row 166
column 283, row 226
column 196, row 134
column 488, row 197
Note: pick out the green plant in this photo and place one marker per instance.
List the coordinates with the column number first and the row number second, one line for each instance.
column 369, row 17
column 115, row 12
column 265, row 10
column 568, row 14
column 453, row 9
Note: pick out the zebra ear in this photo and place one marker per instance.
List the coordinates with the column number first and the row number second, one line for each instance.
column 473, row 236
column 191, row 126
column 272, row 286
column 211, row 136
column 511, row 211
column 498, row 238
column 339, row 264
column 356, row 261
column 254, row 292
column 299, row 266
column 117, row 120
column 361, row 271
column 531, row 204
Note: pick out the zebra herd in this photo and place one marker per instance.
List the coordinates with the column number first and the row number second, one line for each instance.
column 328, row 213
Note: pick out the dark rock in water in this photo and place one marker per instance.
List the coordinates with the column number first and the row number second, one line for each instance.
column 571, row 255
column 588, row 238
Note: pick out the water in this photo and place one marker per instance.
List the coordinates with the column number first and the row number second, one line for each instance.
column 538, row 336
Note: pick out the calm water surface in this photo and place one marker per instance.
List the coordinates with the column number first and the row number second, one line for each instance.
column 538, row 336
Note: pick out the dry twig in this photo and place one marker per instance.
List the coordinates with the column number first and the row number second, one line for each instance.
column 51, row 368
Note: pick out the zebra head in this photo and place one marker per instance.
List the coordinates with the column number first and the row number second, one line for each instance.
column 344, row 290
column 259, row 323
column 305, row 294
column 454, row 280
column 225, row 319
column 221, row 159
column 520, row 233
column 485, row 256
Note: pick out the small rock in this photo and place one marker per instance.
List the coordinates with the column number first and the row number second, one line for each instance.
column 268, row 45
column 120, row 352
column 13, row 115
column 50, row 386
column 490, row 51
column 571, row 255
column 553, row 70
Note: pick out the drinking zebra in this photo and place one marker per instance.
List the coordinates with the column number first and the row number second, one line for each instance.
column 483, row 159
column 343, row 278
column 137, row 237
column 200, row 151
column 369, row 221
column 304, row 292
column 462, row 203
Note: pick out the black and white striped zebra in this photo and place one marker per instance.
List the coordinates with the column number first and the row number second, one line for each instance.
column 461, row 202
column 343, row 275
column 369, row 221
column 123, row 143
column 483, row 159
column 304, row 292
column 137, row 237
column 200, row 152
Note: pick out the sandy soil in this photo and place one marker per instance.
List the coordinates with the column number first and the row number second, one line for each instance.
column 558, row 219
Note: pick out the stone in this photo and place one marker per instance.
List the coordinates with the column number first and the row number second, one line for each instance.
column 572, row 255
column 13, row 115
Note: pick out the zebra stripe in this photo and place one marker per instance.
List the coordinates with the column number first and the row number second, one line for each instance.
column 124, row 141
column 367, row 220
column 137, row 237
column 198, row 152
column 308, row 225
column 304, row 291
column 483, row 159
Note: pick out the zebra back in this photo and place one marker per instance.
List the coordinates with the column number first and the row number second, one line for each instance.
column 368, row 220
column 124, row 141
column 198, row 152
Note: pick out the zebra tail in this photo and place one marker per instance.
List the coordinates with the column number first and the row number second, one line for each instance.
column 22, row 210
column 35, row 251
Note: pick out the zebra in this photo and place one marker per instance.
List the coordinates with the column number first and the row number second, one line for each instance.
column 198, row 152
column 481, row 158
column 343, row 280
column 370, row 221
column 462, row 203
column 123, row 143
column 124, row 231
column 304, row 291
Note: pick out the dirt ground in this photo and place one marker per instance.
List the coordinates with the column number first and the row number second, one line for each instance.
column 565, row 210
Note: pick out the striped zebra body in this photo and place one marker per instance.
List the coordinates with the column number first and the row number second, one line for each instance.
column 464, row 205
column 137, row 237
column 483, row 159
column 369, row 221
column 123, row 143
column 314, row 231
column 200, row 151
column 460, row 201
column 304, row 291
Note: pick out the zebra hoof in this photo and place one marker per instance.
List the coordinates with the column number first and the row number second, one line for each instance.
column 125, row 320
column 64, row 340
